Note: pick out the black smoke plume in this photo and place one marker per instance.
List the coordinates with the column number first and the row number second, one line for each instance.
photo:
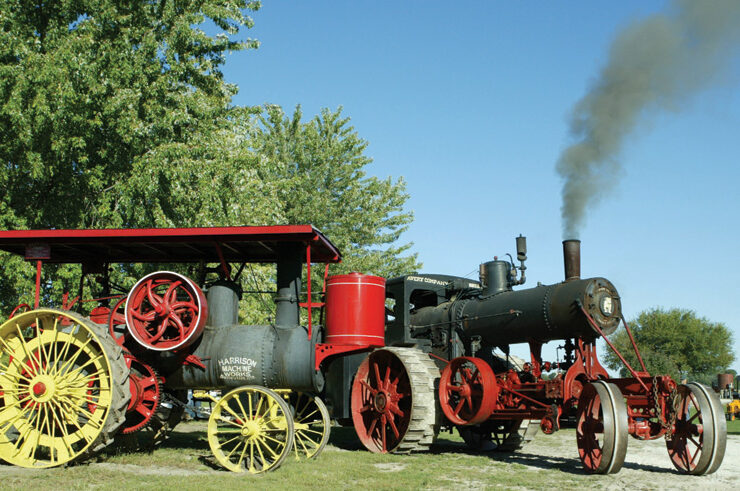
column 654, row 64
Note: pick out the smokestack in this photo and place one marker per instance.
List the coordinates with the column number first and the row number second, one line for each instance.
column 572, row 259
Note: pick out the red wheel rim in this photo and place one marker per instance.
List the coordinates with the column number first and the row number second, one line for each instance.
column 145, row 395
column 590, row 429
column 468, row 391
column 686, row 445
column 165, row 311
column 381, row 402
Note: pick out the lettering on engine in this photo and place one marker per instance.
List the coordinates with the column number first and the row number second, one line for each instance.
column 237, row 368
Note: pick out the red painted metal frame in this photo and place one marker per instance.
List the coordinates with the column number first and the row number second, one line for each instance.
column 648, row 399
column 191, row 244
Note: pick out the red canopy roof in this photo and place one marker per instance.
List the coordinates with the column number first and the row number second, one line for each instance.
column 172, row 245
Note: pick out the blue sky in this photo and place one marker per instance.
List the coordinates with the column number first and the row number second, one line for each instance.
column 469, row 102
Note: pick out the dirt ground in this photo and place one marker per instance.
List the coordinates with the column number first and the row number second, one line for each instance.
column 646, row 466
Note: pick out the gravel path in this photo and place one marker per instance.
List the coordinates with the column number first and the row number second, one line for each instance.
column 646, row 466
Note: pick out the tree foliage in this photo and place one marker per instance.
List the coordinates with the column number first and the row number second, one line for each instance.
column 675, row 342
column 117, row 114
column 319, row 166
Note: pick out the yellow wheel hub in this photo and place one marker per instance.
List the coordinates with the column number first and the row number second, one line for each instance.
column 56, row 388
column 251, row 430
column 42, row 388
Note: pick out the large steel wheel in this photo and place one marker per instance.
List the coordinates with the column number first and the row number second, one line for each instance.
column 393, row 404
column 468, row 391
column 697, row 445
column 312, row 424
column 601, row 431
column 65, row 388
column 251, row 430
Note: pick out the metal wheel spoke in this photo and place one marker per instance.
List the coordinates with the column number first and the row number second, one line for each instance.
column 383, row 421
column 65, row 368
column 459, row 406
column 368, row 387
column 392, row 423
column 239, row 444
column 378, row 380
column 29, row 354
column 309, row 430
column 178, row 323
column 241, row 407
column 238, row 437
column 224, row 420
column 266, row 437
column 304, row 418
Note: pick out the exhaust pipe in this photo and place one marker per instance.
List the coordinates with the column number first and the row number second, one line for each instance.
column 572, row 259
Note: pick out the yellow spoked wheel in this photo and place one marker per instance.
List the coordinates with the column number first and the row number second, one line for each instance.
column 64, row 388
column 312, row 424
column 251, row 430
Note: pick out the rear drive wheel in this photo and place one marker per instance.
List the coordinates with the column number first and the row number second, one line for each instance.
column 393, row 401
column 65, row 388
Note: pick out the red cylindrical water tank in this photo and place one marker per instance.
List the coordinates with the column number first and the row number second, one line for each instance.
column 355, row 310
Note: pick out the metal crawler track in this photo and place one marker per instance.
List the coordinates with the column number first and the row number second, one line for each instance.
column 422, row 373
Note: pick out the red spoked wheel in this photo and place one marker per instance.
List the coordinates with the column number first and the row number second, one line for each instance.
column 468, row 391
column 393, row 407
column 145, row 395
column 117, row 322
column 697, row 445
column 166, row 311
column 602, row 429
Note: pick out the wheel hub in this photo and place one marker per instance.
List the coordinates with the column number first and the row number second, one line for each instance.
column 381, row 400
column 42, row 388
column 250, row 429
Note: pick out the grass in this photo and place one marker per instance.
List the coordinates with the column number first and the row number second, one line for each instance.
column 184, row 462
column 733, row 427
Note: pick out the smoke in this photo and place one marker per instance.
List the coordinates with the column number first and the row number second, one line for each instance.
column 654, row 65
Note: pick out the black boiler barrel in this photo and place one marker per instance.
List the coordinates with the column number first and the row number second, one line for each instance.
column 539, row 314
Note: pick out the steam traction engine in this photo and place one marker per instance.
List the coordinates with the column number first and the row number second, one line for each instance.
column 494, row 405
column 69, row 383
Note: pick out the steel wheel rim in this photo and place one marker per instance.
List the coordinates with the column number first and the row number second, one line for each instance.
column 381, row 402
column 251, row 430
column 312, row 425
column 56, row 389
column 468, row 391
column 698, row 442
column 602, row 411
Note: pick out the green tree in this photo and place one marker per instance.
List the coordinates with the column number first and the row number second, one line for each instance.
column 97, row 94
column 116, row 114
column 320, row 167
column 675, row 342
